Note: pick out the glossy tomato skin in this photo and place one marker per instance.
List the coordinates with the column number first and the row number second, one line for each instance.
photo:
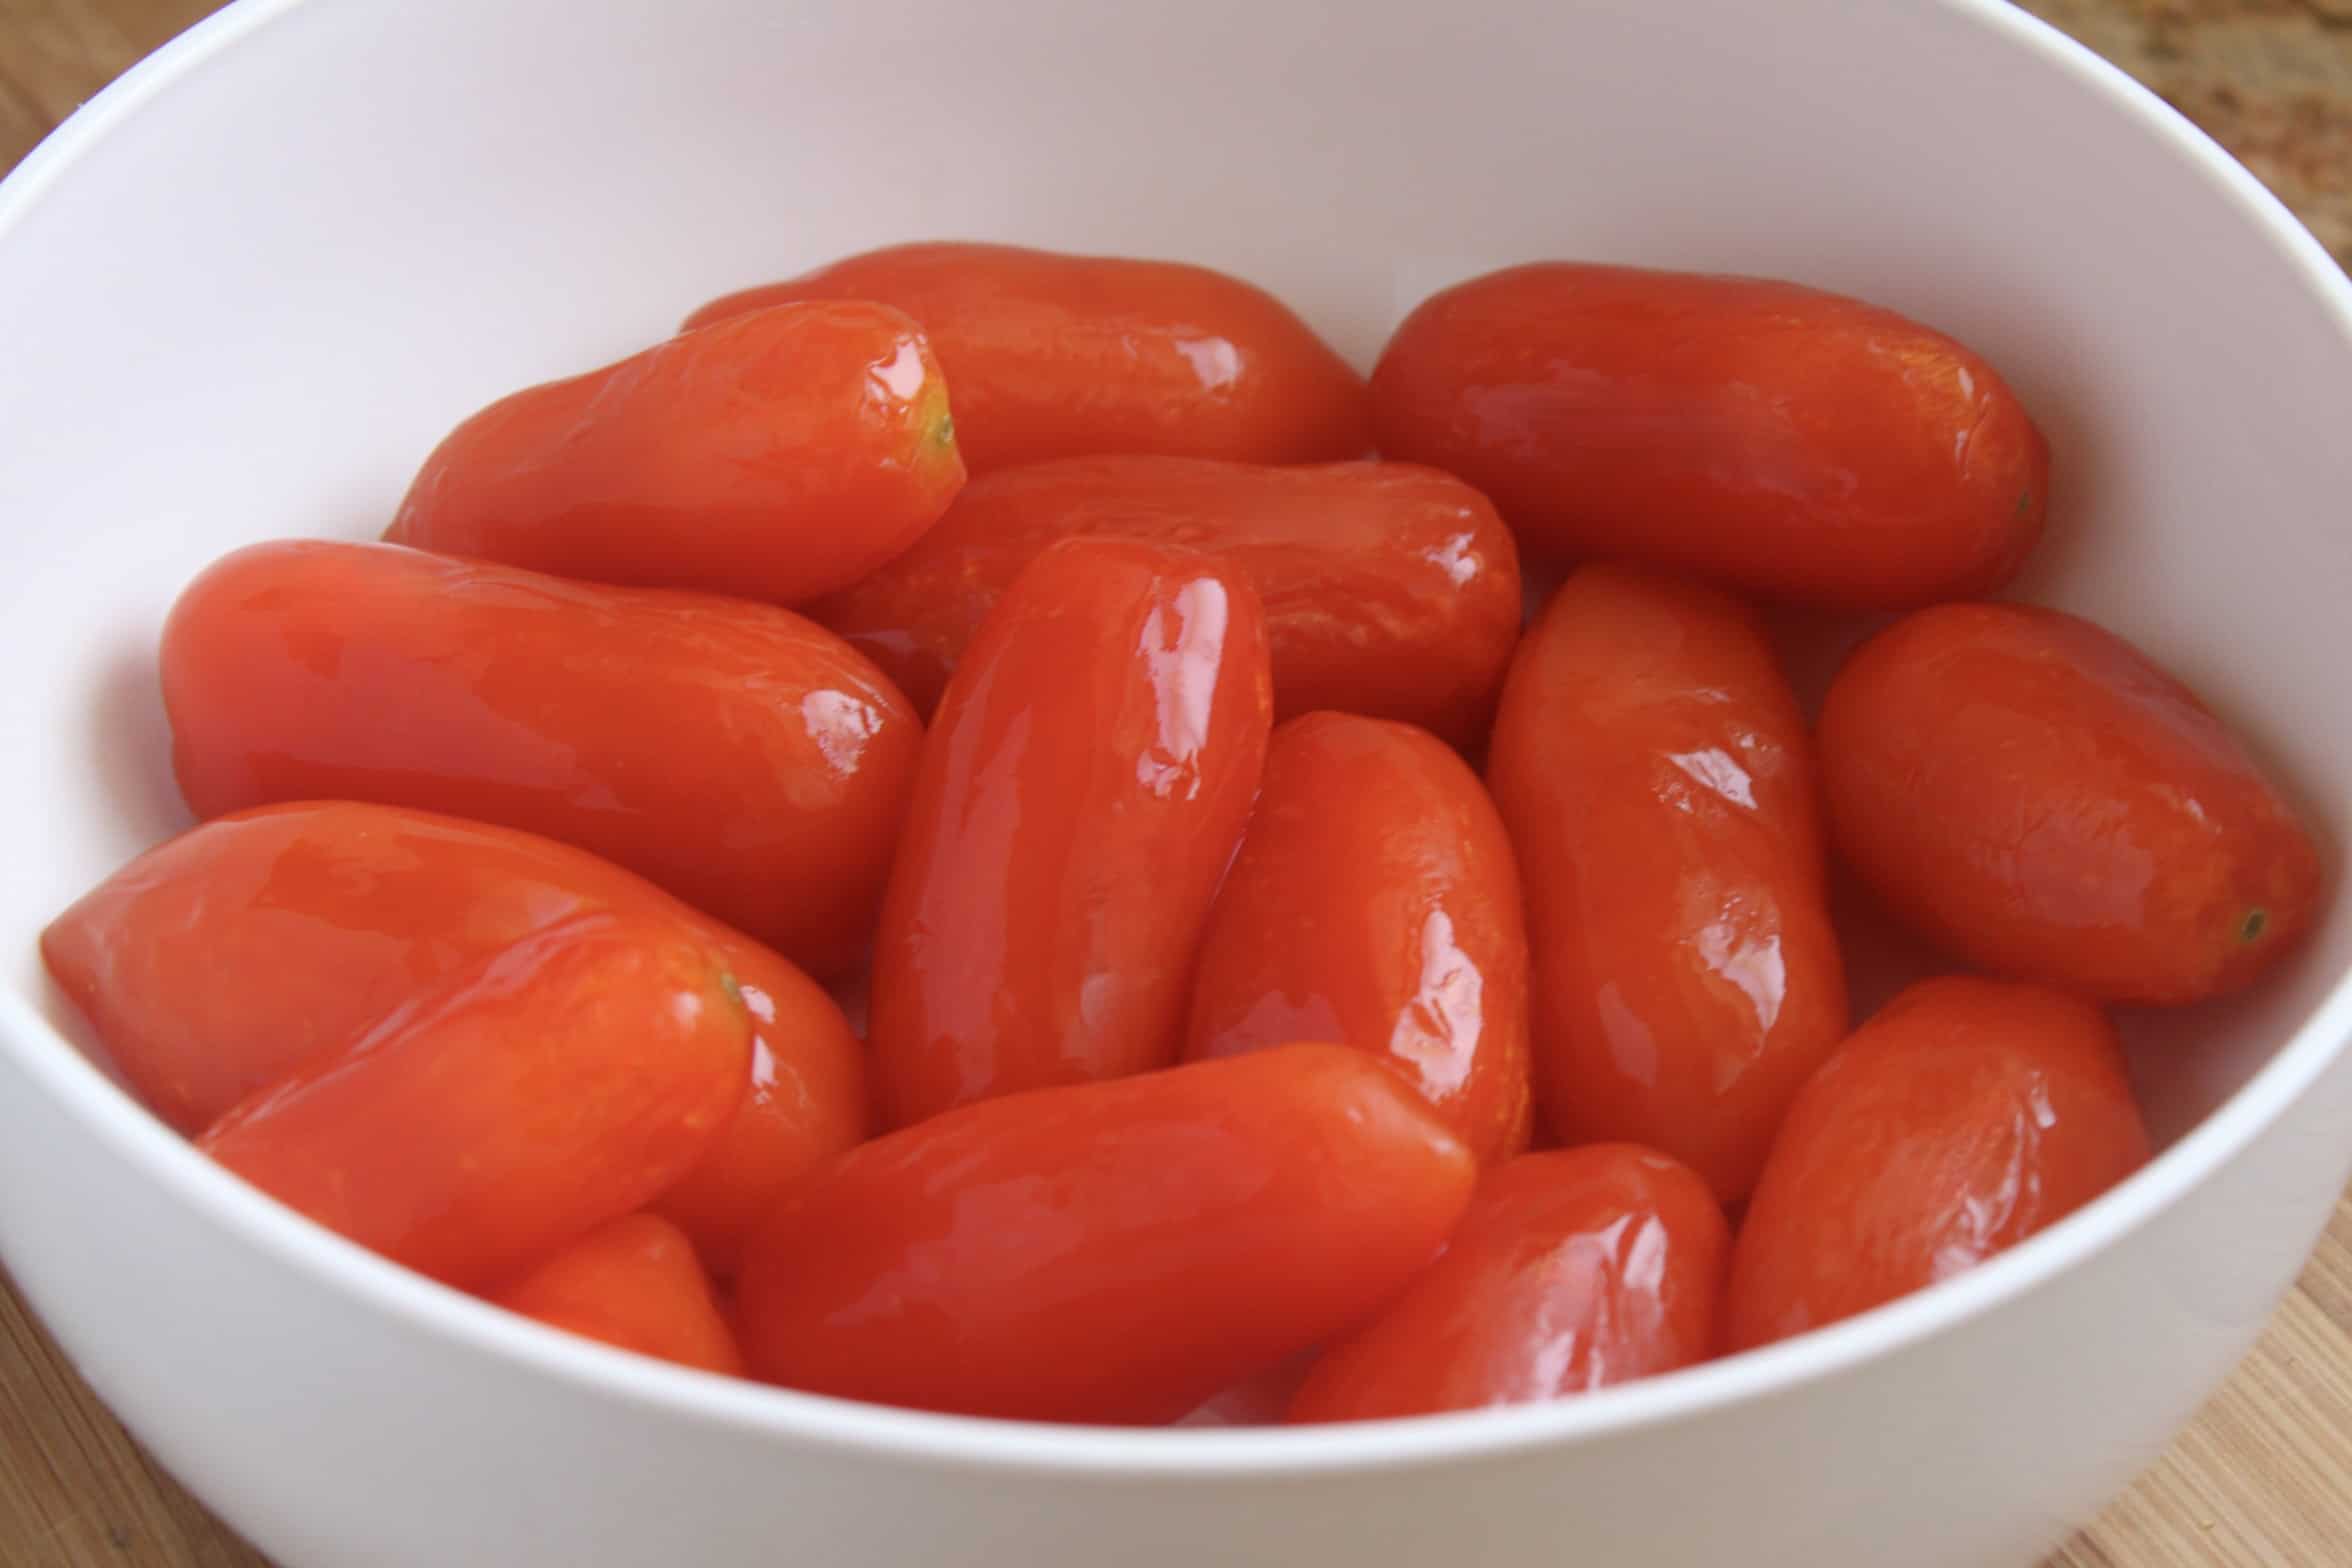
column 1799, row 445
column 1390, row 589
column 776, row 456
column 807, row 1100
column 214, row 966
column 1375, row 902
column 1572, row 1270
column 1108, row 1252
column 2036, row 795
column 526, row 1099
column 1081, row 793
column 1050, row 355
column 1967, row 1115
column 634, row 1283
column 1654, row 772
column 740, row 756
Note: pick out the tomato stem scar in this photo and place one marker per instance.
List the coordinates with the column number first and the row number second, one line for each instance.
column 2251, row 928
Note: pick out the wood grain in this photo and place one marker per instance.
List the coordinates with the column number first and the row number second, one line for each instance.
column 2261, row 1479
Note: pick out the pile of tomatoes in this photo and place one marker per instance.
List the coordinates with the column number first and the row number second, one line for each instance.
column 945, row 836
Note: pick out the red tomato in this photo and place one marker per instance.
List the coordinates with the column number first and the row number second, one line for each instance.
column 806, row 1101
column 1389, row 589
column 1963, row 1118
column 1570, row 1271
column 1051, row 356
column 214, row 966
column 2036, row 795
column 1797, row 444
column 632, row 1283
column 744, row 758
column 1079, row 798
column 1374, row 902
column 524, row 1100
column 1654, row 771
column 776, row 456
column 1110, row 1252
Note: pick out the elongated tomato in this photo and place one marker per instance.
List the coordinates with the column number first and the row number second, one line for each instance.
column 1375, row 903
column 632, row 1283
column 1111, row 1252
column 775, row 456
column 2039, row 797
column 1796, row 444
column 806, row 1101
column 1964, row 1117
column 1080, row 796
column 529, row 1097
column 1389, row 589
column 1049, row 355
column 742, row 757
column 216, row 965
column 1655, row 774
column 1571, row 1270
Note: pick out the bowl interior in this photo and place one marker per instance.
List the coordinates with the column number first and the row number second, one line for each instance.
column 251, row 304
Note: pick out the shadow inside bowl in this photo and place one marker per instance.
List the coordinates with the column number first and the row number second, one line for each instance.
column 130, row 748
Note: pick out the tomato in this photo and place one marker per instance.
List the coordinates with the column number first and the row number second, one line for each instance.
column 1050, row 355
column 1107, row 1252
column 2036, row 795
column 1389, row 589
column 632, row 1283
column 807, row 1100
column 1375, row 903
column 1796, row 444
column 1964, row 1117
column 525, row 1099
column 1571, row 1270
column 1653, row 768
column 1080, row 795
column 215, row 965
column 744, row 758
column 777, row 456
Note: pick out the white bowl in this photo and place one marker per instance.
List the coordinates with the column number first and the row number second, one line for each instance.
column 243, row 292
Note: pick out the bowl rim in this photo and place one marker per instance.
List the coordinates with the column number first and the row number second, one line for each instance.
column 102, row 1109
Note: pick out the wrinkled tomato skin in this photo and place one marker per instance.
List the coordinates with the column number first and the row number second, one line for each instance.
column 1390, row 589
column 2039, row 797
column 1572, row 1270
column 1375, row 902
column 1654, row 771
column 1964, row 1117
column 1050, row 355
column 1792, row 444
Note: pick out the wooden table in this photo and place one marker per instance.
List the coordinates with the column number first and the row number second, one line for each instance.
column 2262, row 1479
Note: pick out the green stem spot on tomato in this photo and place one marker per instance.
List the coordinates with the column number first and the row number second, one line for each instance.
column 2024, row 501
column 2251, row 928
